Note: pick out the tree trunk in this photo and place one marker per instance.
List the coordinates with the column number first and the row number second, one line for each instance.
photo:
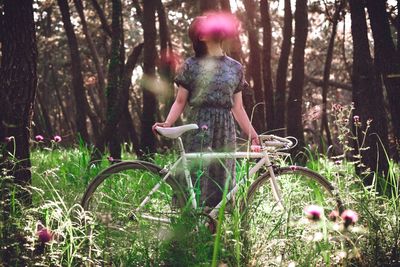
column 208, row 5
column 266, row 65
column 77, row 79
column 103, row 19
column 93, row 51
column 295, row 101
column 387, row 62
column 281, row 73
column 255, row 65
column 18, row 82
column 367, row 96
column 225, row 5
column 339, row 4
column 150, row 54
column 115, row 68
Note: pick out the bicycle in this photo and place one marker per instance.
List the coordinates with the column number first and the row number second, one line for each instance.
column 132, row 200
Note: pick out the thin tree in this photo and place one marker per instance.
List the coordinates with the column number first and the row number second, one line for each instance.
column 254, row 64
column 281, row 72
column 367, row 98
column 76, row 68
column 339, row 4
column 295, row 100
column 266, row 64
column 386, row 59
column 150, row 55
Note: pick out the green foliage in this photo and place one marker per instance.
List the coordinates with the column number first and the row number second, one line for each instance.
column 61, row 175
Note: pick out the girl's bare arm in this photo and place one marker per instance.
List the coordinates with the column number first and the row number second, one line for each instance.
column 176, row 109
column 243, row 120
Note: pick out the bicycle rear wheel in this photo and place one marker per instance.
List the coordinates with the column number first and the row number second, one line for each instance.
column 121, row 229
column 266, row 221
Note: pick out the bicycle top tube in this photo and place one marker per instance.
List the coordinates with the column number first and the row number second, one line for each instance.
column 218, row 155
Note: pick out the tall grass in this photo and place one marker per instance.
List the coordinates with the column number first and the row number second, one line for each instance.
column 60, row 176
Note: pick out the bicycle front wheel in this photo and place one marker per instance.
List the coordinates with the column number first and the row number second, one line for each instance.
column 131, row 205
column 268, row 220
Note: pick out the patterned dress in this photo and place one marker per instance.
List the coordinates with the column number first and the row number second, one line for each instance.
column 211, row 82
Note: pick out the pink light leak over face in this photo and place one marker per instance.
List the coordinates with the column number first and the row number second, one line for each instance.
column 217, row 25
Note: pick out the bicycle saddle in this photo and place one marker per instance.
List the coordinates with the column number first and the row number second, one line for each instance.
column 175, row 132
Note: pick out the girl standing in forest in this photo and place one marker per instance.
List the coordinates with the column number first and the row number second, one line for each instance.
column 211, row 83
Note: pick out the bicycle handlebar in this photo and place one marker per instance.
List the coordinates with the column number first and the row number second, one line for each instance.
column 276, row 141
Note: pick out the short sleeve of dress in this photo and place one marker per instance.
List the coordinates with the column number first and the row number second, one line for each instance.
column 182, row 77
column 242, row 83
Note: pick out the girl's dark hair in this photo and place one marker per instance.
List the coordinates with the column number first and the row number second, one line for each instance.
column 199, row 47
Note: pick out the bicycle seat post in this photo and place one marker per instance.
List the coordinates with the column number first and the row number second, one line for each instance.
column 187, row 173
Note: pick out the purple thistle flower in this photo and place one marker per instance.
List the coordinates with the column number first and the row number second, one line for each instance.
column 356, row 118
column 8, row 139
column 44, row 235
column 313, row 212
column 39, row 138
column 349, row 217
column 204, row 127
column 110, row 159
column 57, row 138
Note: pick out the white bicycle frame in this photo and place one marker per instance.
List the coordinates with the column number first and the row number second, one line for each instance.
column 264, row 157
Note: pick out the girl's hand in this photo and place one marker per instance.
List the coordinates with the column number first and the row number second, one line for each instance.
column 160, row 124
column 255, row 144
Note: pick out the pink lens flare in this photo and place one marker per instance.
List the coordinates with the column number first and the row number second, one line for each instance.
column 170, row 59
column 216, row 25
column 313, row 212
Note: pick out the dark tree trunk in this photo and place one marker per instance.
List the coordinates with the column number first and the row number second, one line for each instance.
column 166, row 65
column 93, row 50
column 255, row 65
column 208, row 5
column 150, row 54
column 225, row 5
column 110, row 134
column 367, row 95
column 339, row 4
column 103, row 19
column 266, row 65
column 386, row 61
column 77, row 79
column 281, row 73
column 295, row 100
column 18, row 82
column 126, row 84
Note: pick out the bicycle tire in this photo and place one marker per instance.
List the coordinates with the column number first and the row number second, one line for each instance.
column 112, row 197
column 264, row 220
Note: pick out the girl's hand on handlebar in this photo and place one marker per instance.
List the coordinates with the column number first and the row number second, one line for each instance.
column 255, row 144
column 160, row 124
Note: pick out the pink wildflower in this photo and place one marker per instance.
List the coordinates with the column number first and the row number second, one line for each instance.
column 44, row 234
column 57, row 138
column 110, row 159
column 356, row 118
column 313, row 212
column 8, row 139
column 204, row 127
column 39, row 138
column 293, row 167
column 349, row 217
